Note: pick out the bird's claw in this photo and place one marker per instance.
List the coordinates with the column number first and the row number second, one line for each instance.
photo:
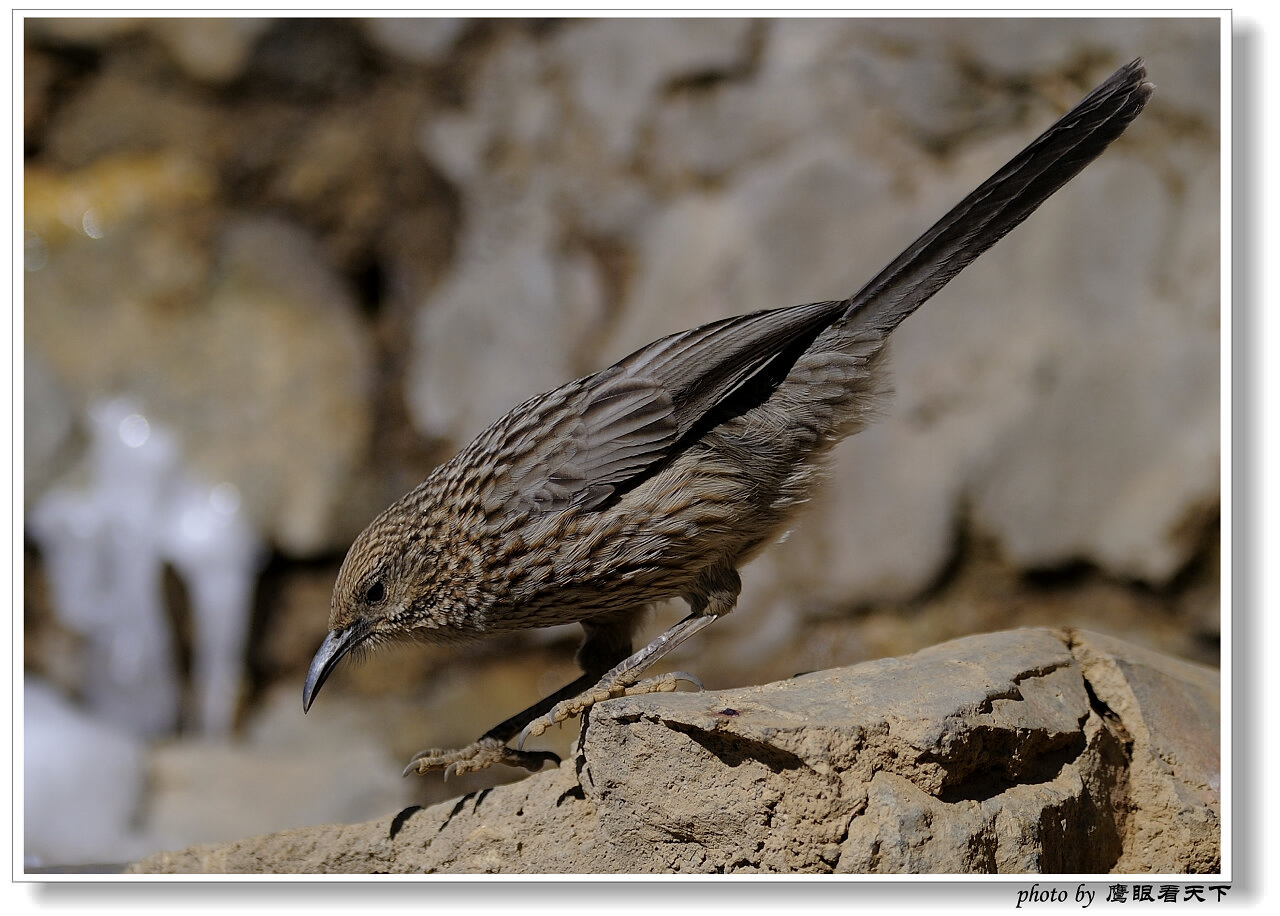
column 475, row 757
column 605, row 690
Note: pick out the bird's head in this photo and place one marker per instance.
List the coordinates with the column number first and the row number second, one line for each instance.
column 377, row 598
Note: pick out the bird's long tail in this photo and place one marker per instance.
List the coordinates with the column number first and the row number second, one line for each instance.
column 1001, row 202
column 837, row 383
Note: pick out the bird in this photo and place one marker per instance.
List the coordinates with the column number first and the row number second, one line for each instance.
column 660, row 476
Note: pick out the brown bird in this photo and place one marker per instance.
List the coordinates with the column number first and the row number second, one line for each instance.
column 662, row 474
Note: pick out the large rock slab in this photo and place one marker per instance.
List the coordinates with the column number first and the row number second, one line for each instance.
column 1026, row 751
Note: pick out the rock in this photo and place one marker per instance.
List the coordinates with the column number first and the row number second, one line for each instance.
column 310, row 59
column 39, row 73
column 206, row 49
column 285, row 770
column 209, row 50
column 527, row 303
column 424, row 41
column 617, row 66
column 1026, row 751
column 282, row 336
column 90, row 30
column 120, row 114
column 1176, row 767
column 248, row 345
column 1119, row 447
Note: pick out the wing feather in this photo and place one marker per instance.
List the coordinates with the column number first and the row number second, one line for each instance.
column 630, row 417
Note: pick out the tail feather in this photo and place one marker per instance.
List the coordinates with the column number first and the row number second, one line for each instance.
column 1001, row 202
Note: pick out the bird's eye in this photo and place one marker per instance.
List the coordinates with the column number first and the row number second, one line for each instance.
column 375, row 592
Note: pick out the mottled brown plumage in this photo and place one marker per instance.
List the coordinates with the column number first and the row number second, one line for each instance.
column 661, row 475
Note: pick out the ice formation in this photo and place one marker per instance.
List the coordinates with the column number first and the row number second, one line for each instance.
column 83, row 783
column 105, row 548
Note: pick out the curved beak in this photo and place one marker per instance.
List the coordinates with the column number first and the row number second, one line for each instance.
column 337, row 644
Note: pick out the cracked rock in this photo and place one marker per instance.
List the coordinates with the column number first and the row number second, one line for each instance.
column 1025, row 751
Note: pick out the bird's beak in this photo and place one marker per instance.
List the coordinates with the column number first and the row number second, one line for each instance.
column 337, row 644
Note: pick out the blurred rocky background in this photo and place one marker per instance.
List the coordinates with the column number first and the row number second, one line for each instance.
column 276, row 270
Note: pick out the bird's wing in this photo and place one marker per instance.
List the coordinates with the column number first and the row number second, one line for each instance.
column 704, row 366
column 598, row 436
column 616, row 426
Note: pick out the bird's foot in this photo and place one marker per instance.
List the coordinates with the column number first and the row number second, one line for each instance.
column 478, row 756
column 607, row 689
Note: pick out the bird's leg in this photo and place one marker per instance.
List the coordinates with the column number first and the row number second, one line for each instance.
column 715, row 594
column 607, row 641
column 624, row 679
